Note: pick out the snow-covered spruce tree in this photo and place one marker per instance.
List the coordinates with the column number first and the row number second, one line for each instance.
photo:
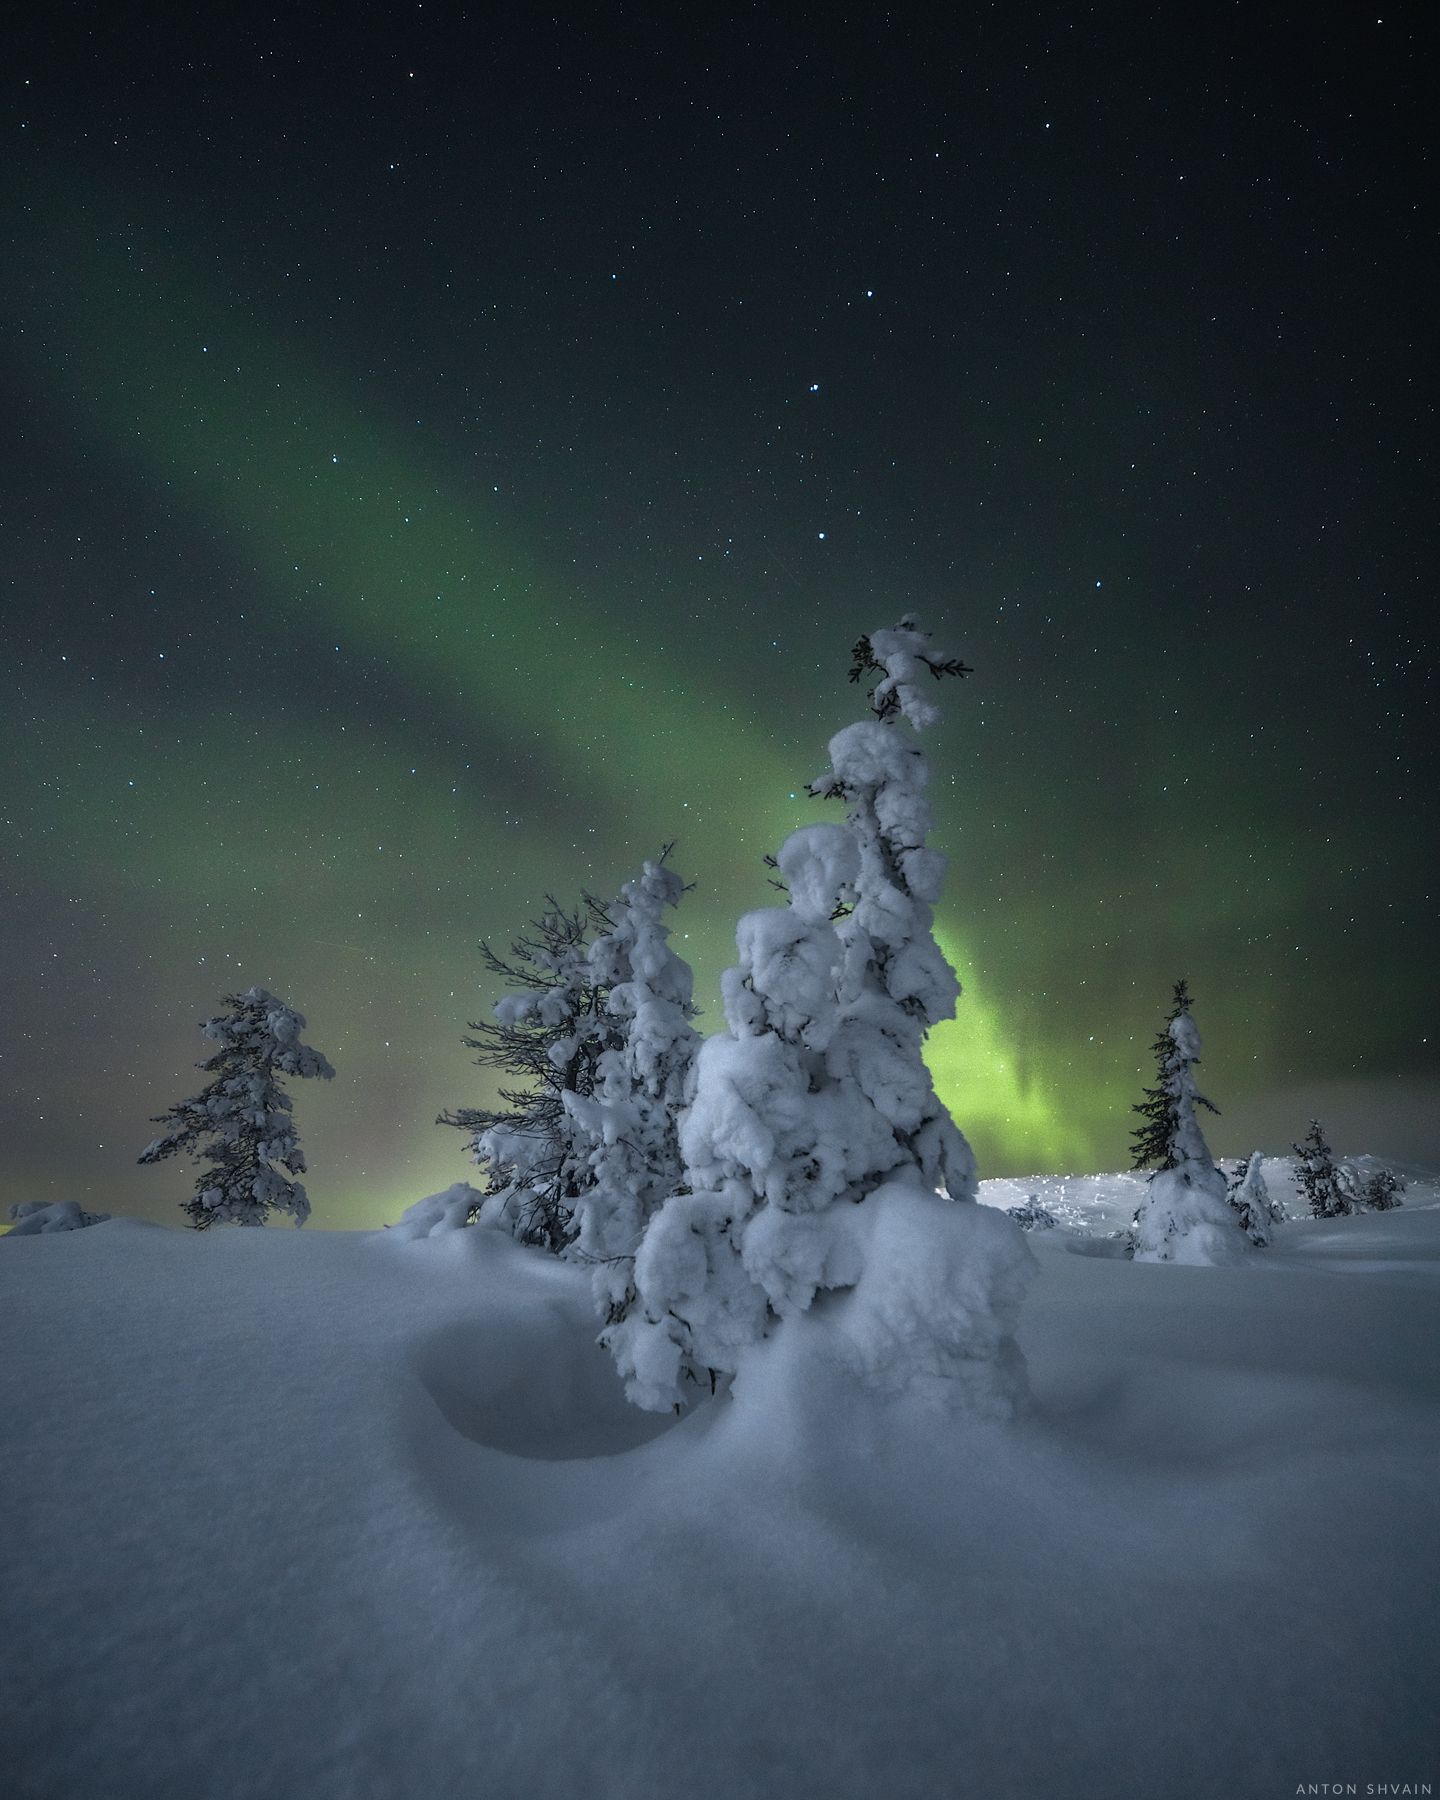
column 1184, row 1217
column 245, row 1114
column 1248, row 1194
column 550, row 1034
column 1327, row 1187
column 818, row 1154
column 628, row 1122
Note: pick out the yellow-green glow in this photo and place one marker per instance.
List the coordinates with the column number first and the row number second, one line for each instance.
column 1003, row 1106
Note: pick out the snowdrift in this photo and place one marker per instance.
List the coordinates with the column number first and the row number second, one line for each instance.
column 344, row 1515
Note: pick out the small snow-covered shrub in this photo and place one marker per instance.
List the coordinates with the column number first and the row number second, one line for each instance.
column 1032, row 1216
column 452, row 1209
column 37, row 1218
column 1255, row 1211
column 1329, row 1189
column 1382, row 1190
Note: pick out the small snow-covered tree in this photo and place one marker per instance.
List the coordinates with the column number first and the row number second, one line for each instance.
column 245, row 1115
column 1183, row 1216
column 1328, row 1188
column 1032, row 1216
column 818, row 1155
column 1382, row 1190
column 1248, row 1194
column 550, row 1033
column 627, row 1124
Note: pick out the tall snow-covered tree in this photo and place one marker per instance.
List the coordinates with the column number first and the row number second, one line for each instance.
column 240, row 1125
column 897, row 983
column 1255, row 1210
column 628, row 1122
column 816, row 1149
column 1183, row 1216
column 1171, row 1132
column 549, row 1033
column 1327, row 1187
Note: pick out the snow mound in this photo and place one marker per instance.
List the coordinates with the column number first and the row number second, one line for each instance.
column 33, row 1218
column 935, row 1307
column 436, row 1214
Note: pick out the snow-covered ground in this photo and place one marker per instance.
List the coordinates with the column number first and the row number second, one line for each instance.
column 328, row 1515
column 1102, row 1206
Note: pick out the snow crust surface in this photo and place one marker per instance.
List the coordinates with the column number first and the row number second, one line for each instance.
column 351, row 1516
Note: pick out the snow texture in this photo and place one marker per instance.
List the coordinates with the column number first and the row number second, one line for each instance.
column 396, row 1533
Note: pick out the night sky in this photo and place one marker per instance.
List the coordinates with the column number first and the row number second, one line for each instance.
column 450, row 452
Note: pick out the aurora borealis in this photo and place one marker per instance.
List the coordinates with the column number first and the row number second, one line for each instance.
column 449, row 457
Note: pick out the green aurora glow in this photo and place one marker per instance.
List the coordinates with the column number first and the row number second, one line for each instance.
column 351, row 541
column 518, row 736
